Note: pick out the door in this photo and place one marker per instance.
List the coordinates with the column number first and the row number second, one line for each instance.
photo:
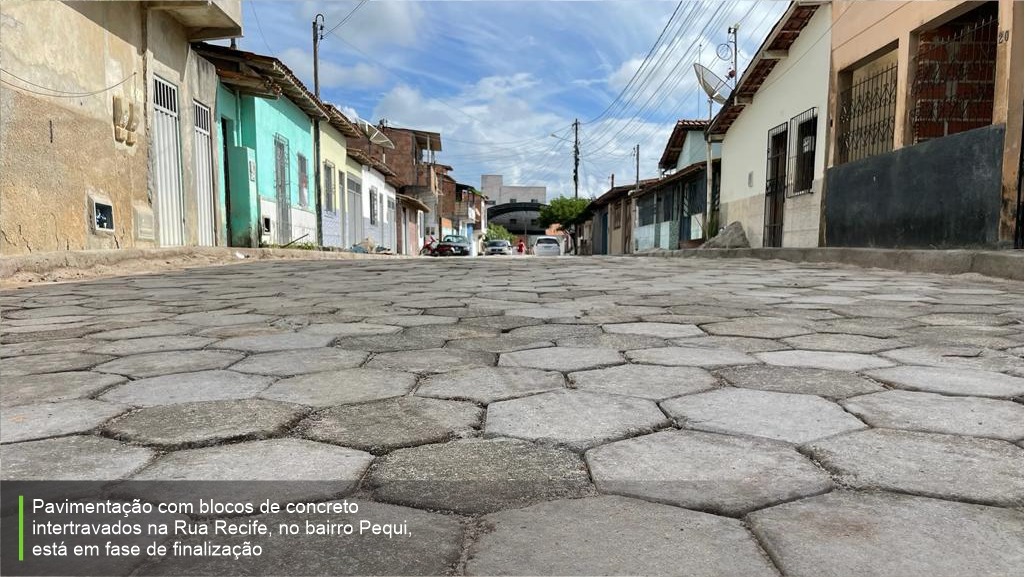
column 226, row 140
column 355, row 214
column 282, row 190
column 167, row 165
column 603, row 233
column 204, row 170
column 775, row 186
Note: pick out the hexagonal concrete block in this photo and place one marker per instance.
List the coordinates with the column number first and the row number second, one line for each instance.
column 706, row 471
column 151, row 345
column 53, row 387
column 952, row 381
column 690, row 356
column 75, row 458
column 842, row 342
column 52, row 363
column 349, row 329
column 275, row 342
column 341, row 387
column 868, row 534
column 432, row 360
column 801, row 380
column 202, row 423
column 156, row 364
column 478, row 476
column 300, row 362
column 552, row 332
column 932, row 413
column 613, row 535
column 830, row 360
column 187, row 388
column 943, row 466
column 646, row 381
column 432, row 547
column 488, row 384
column 389, row 343
column 618, row 342
column 743, row 344
column 330, row 470
column 758, row 327
column 392, row 423
column 574, row 419
column 39, row 421
column 781, row 416
column 660, row 330
column 562, row 359
column 958, row 357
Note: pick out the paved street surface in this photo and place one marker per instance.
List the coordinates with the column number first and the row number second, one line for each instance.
column 555, row 416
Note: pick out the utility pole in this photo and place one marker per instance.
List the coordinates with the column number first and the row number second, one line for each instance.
column 637, row 159
column 576, row 158
column 318, row 29
column 612, row 181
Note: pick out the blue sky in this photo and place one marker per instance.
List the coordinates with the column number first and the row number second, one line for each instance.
column 496, row 78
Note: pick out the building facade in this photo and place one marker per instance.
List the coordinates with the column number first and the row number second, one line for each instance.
column 111, row 145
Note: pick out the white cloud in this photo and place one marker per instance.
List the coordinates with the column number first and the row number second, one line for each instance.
column 359, row 75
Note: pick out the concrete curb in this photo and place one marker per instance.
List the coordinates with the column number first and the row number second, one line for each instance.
column 1000, row 264
column 49, row 262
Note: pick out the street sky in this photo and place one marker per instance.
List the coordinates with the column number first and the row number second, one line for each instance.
column 497, row 78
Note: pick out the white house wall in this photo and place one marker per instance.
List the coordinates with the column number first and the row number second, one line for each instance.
column 797, row 83
column 382, row 232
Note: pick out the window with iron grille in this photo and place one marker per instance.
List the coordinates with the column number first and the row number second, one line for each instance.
column 304, row 180
column 391, row 209
column 373, row 205
column 329, row 187
column 867, row 112
column 667, row 206
column 802, row 152
column 646, row 210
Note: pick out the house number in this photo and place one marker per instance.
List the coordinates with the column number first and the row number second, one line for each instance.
column 1003, row 36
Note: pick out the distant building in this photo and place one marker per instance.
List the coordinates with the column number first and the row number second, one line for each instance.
column 517, row 208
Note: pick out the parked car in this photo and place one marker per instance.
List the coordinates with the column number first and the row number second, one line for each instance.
column 498, row 247
column 547, row 246
column 453, row 245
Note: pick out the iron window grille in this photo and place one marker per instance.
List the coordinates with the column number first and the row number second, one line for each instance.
column 954, row 80
column 329, row 187
column 646, row 210
column 373, row 205
column 801, row 171
column 304, row 181
column 866, row 117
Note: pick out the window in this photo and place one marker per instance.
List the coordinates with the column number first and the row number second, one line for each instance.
column 533, row 200
column 802, row 150
column 304, row 180
column 373, row 205
column 667, row 206
column 391, row 209
column 512, row 221
column 646, row 210
column 533, row 222
column 329, row 187
column 617, row 215
column 512, row 201
column 459, row 196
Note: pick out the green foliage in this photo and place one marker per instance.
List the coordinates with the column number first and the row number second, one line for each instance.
column 564, row 211
column 498, row 232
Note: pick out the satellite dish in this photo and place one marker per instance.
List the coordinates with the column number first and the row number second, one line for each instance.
column 376, row 136
column 713, row 85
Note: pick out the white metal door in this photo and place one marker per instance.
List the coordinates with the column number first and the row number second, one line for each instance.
column 204, row 170
column 167, row 164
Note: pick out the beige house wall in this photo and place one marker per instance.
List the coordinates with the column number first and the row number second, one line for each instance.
column 862, row 31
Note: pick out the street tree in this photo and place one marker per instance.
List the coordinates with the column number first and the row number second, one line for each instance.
column 499, row 232
column 565, row 211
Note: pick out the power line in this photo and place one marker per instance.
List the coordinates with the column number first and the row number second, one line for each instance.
column 259, row 28
column 57, row 93
column 347, row 17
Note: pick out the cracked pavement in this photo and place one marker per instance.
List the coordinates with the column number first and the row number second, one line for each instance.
column 593, row 415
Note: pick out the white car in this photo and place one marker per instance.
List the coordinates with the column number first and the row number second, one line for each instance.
column 498, row 247
column 547, row 246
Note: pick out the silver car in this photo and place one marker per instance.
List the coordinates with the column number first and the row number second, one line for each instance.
column 498, row 247
column 547, row 246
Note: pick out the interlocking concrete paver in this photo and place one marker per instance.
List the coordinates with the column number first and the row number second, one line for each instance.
column 646, row 381
column 801, row 380
column 155, row 364
column 478, row 476
column 934, row 413
column 613, row 535
column 488, row 384
column 563, row 359
column 39, row 421
column 691, row 356
column 607, row 328
column 302, row 361
column 867, row 534
column 53, row 387
column 706, row 471
column 393, row 423
column 781, row 416
column 951, row 381
column 204, row 422
column 187, row 387
column 340, row 387
column 824, row 360
column 575, row 419
column 961, row 468
column 75, row 458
